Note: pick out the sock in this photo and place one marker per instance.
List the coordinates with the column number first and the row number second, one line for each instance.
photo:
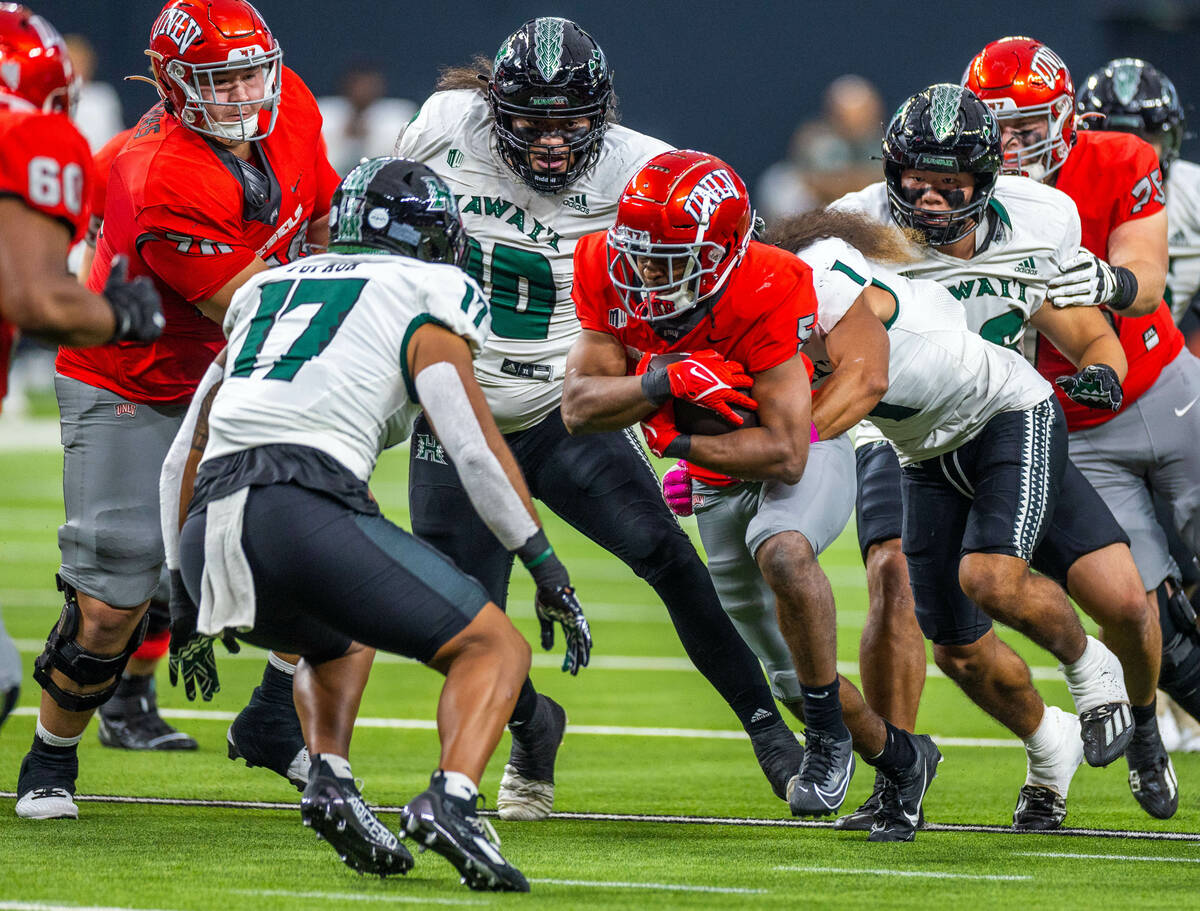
column 1044, row 742
column 527, row 703
column 823, row 709
column 1081, row 669
column 338, row 765
column 459, row 786
column 897, row 753
column 133, row 686
column 52, row 744
column 277, row 682
column 1145, row 720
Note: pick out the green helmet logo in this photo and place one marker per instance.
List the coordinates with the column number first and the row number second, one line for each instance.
column 943, row 109
column 1126, row 77
column 548, row 45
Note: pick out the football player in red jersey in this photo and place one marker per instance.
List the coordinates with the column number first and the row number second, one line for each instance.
column 225, row 176
column 45, row 174
column 679, row 272
column 1150, row 444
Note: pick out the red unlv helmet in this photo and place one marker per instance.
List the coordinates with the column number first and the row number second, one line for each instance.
column 35, row 67
column 1019, row 78
column 683, row 224
column 193, row 42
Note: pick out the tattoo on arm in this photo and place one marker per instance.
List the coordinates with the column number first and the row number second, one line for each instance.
column 200, row 434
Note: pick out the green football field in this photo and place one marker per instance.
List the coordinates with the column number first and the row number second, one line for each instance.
column 659, row 800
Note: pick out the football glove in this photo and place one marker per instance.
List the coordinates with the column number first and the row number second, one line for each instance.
column 1095, row 386
column 677, row 489
column 1088, row 281
column 191, row 653
column 706, row 378
column 555, row 602
column 663, row 437
column 136, row 306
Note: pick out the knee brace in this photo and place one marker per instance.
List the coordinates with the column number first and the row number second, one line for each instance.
column 1180, row 673
column 76, row 663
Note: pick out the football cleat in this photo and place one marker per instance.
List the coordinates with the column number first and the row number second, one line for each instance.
column 267, row 732
column 1152, row 777
column 334, row 809
column 134, row 724
column 46, row 785
column 862, row 818
column 1042, row 802
column 451, row 827
column 824, row 776
column 1106, row 722
column 900, row 810
column 779, row 755
column 527, row 786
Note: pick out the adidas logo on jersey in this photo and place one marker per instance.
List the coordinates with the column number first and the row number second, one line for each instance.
column 578, row 202
column 1027, row 267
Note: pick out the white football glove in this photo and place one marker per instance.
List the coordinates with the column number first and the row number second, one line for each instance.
column 1088, row 281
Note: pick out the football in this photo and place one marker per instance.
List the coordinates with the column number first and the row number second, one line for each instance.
column 694, row 419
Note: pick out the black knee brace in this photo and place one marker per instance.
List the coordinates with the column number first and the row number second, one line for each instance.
column 159, row 617
column 1180, row 673
column 76, row 663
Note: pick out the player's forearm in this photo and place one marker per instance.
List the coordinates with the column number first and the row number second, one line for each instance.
column 594, row 404
column 1105, row 349
column 61, row 311
column 1152, row 283
column 846, row 397
column 753, row 454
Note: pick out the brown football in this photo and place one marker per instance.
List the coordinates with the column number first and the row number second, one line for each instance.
column 691, row 418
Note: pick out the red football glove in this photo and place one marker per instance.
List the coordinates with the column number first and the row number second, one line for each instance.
column 711, row 381
column 662, row 436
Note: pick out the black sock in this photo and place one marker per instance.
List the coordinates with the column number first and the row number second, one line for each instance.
column 823, row 709
column 55, row 754
column 276, row 685
column 1145, row 719
column 527, row 703
column 133, row 686
column 898, row 753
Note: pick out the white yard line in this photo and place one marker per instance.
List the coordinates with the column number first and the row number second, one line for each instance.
column 668, row 887
column 42, row 906
column 353, row 897
column 1161, row 860
column 921, row 874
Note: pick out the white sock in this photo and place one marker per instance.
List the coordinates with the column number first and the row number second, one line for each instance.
column 53, row 740
column 1042, row 743
column 1082, row 667
column 339, row 765
column 456, row 784
column 280, row 665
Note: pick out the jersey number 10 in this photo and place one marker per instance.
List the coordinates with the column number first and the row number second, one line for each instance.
column 520, row 287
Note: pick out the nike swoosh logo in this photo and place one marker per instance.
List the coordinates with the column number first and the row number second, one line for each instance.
column 1180, row 412
column 914, row 818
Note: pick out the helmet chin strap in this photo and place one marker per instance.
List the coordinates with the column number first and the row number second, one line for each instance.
column 243, row 130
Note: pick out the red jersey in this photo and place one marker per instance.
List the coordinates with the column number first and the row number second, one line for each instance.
column 102, row 162
column 191, row 216
column 1114, row 178
column 44, row 162
column 765, row 312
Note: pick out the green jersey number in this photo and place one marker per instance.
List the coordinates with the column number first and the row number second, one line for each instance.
column 1004, row 330
column 520, row 287
column 279, row 303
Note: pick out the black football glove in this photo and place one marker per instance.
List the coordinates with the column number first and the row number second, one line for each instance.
column 555, row 602
column 191, row 653
column 136, row 306
column 1095, row 386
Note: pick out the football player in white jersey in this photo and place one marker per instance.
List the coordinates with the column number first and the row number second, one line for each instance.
column 527, row 146
column 329, row 361
column 942, row 157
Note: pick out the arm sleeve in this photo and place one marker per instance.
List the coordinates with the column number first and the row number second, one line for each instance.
column 170, row 479
column 498, row 504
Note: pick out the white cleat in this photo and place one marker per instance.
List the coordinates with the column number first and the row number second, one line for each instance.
column 1097, row 684
column 523, row 800
column 47, row 803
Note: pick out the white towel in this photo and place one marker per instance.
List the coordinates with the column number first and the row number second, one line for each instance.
column 227, row 587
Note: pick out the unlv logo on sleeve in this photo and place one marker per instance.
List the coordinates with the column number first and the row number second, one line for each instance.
column 711, row 190
column 177, row 25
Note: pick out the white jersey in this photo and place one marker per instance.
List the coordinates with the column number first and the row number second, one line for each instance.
column 522, row 244
column 944, row 381
column 1183, row 236
column 318, row 353
column 1031, row 229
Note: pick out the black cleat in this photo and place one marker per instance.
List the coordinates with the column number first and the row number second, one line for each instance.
column 133, row 723
column 900, row 811
column 1106, row 732
column 863, row 818
column 527, row 786
column 1102, row 702
column 824, row 776
column 8, row 702
column 334, row 809
column 779, row 755
column 267, row 732
column 452, row 828
column 1039, row 809
column 46, row 785
column 1152, row 776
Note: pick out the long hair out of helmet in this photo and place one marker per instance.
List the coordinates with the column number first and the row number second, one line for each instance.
column 35, row 69
column 398, row 206
column 193, row 43
column 1132, row 96
column 943, row 128
column 688, row 214
column 550, row 70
